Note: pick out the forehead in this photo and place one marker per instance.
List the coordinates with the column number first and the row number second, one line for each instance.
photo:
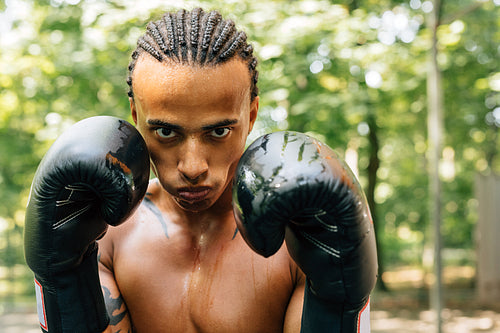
column 173, row 83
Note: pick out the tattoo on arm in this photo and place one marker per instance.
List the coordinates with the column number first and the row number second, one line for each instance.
column 114, row 307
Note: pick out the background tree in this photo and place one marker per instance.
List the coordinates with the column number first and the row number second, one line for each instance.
column 351, row 73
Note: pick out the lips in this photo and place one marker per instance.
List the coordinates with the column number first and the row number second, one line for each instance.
column 193, row 194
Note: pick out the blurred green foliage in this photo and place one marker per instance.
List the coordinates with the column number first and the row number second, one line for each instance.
column 352, row 73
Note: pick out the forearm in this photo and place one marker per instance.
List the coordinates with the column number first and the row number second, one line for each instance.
column 115, row 305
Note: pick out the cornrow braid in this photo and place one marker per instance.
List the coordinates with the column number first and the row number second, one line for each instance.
column 181, row 33
column 208, row 34
column 169, row 23
column 196, row 38
column 146, row 44
column 195, row 28
column 155, row 32
column 236, row 44
column 226, row 33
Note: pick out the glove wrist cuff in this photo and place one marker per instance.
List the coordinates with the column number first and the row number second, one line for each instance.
column 320, row 315
column 72, row 301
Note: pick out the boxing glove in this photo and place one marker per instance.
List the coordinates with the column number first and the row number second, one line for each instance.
column 94, row 175
column 290, row 187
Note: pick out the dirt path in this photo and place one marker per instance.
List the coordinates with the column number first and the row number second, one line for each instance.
column 454, row 321
column 381, row 322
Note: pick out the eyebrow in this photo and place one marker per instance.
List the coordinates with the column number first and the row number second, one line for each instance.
column 157, row 122
column 222, row 123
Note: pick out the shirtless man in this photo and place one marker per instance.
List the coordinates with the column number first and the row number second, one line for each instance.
column 180, row 262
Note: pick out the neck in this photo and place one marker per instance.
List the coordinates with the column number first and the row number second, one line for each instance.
column 214, row 222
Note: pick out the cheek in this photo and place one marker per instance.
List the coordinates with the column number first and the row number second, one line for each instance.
column 159, row 162
column 152, row 144
column 230, row 157
column 164, row 172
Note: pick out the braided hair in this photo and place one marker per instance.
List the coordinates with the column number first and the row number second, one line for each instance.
column 195, row 37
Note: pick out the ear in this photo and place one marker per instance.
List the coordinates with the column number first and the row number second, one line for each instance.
column 254, row 109
column 133, row 110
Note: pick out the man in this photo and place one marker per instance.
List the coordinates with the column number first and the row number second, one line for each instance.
column 179, row 263
column 194, row 272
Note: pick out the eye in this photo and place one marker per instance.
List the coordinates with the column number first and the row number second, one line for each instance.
column 165, row 133
column 220, row 132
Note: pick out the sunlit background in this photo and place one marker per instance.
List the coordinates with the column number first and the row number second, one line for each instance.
column 351, row 73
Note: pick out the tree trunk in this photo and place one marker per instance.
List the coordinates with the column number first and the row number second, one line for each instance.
column 435, row 136
column 373, row 167
column 488, row 232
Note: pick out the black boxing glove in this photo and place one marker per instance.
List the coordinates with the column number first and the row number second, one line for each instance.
column 94, row 175
column 291, row 187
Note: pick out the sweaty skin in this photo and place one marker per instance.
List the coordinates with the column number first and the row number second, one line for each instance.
column 179, row 264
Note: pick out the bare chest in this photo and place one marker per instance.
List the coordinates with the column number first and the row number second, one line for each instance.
column 171, row 286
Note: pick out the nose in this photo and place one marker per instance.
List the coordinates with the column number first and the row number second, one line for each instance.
column 192, row 165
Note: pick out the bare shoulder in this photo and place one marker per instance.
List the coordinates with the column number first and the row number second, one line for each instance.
column 115, row 237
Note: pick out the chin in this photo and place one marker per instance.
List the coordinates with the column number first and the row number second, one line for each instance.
column 194, row 207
